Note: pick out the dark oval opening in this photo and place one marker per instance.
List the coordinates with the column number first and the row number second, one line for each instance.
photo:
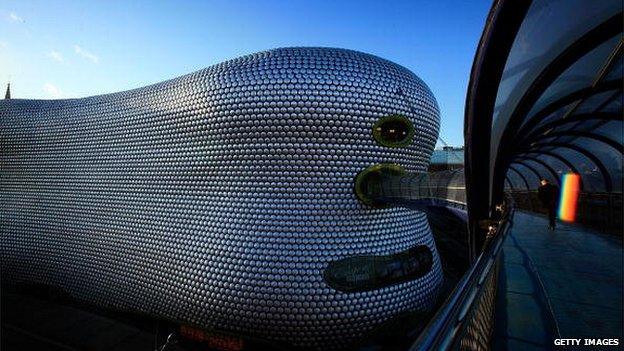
column 364, row 273
column 393, row 131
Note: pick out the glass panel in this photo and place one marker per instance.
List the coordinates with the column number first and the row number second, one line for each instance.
column 615, row 106
column 545, row 173
column 516, row 181
column 543, row 139
column 537, row 44
column 507, row 184
column 610, row 158
column 558, row 166
column 590, row 104
column 566, row 139
column 531, row 178
column 555, row 115
column 580, row 75
column 459, row 179
column 587, row 125
column 553, row 162
column 616, row 70
column 612, row 130
column 592, row 178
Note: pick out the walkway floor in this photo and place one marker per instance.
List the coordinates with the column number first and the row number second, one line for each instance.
column 562, row 284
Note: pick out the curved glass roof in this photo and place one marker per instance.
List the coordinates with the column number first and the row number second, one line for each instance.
column 545, row 99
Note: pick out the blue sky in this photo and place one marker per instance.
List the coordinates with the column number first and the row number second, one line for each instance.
column 66, row 49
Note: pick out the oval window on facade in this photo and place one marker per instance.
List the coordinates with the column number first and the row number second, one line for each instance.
column 393, row 131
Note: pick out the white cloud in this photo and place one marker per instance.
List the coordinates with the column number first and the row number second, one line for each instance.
column 52, row 91
column 15, row 18
column 86, row 54
column 56, row 56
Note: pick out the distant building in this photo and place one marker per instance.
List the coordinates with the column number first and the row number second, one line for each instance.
column 448, row 157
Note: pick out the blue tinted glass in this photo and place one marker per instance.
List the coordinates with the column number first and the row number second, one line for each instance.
column 543, row 171
column 593, row 102
column 545, row 33
column 609, row 156
column 612, row 130
column 530, row 175
column 614, row 106
column 590, row 173
column 516, row 182
column 581, row 74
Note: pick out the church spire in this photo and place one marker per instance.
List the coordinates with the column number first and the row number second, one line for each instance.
column 7, row 95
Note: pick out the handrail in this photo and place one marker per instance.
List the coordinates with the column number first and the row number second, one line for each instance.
column 443, row 329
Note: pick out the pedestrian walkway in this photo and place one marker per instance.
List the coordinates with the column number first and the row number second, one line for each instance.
column 562, row 284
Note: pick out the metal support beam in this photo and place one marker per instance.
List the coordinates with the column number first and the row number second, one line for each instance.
column 526, row 183
column 533, row 170
column 581, row 94
column 585, row 44
column 583, row 134
column 543, row 164
column 605, row 173
column 541, row 129
column 509, row 182
column 500, row 31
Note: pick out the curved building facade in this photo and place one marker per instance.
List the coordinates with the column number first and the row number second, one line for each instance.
column 218, row 199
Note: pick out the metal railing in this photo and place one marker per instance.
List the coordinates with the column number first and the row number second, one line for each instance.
column 465, row 320
column 601, row 211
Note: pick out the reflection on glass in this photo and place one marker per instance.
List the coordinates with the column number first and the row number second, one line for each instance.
column 569, row 197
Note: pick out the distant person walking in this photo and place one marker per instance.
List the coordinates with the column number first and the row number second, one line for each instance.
column 548, row 195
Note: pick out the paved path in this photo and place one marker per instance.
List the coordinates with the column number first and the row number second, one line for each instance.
column 566, row 283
